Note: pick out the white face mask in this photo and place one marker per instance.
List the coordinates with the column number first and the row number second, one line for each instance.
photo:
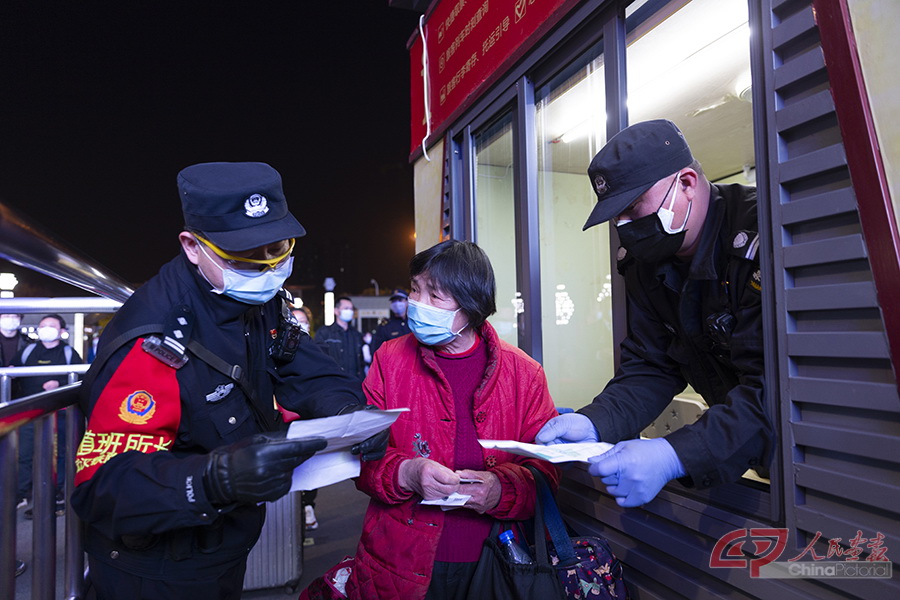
column 10, row 323
column 252, row 287
column 347, row 315
column 667, row 214
column 48, row 334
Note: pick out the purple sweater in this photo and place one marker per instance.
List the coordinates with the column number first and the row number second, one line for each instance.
column 464, row 529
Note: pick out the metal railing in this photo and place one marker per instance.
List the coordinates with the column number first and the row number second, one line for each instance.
column 42, row 410
column 29, row 245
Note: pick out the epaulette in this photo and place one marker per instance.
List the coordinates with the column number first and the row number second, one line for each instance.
column 171, row 349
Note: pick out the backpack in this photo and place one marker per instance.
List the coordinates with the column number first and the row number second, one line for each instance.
column 27, row 350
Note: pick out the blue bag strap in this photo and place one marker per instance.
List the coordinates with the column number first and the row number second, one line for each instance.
column 540, row 538
column 547, row 513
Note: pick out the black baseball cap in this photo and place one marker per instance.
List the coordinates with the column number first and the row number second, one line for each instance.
column 401, row 294
column 631, row 162
column 236, row 205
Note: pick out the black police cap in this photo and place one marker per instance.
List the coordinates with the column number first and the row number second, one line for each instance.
column 631, row 162
column 236, row 205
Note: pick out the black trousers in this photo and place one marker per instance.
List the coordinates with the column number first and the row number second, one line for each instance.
column 108, row 583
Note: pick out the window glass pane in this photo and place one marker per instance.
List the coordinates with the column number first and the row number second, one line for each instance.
column 495, row 226
column 692, row 66
column 575, row 265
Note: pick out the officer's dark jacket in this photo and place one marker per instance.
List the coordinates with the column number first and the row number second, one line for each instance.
column 394, row 328
column 136, row 401
column 700, row 325
column 21, row 341
column 344, row 346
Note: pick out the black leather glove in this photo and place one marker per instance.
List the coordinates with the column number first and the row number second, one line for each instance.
column 372, row 448
column 256, row 469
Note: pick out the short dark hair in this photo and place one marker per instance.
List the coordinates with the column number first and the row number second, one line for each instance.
column 464, row 271
column 62, row 322
column 339, row 298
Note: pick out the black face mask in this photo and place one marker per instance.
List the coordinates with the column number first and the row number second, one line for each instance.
column 647, row 241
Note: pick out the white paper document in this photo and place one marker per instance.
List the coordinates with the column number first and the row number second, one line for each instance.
column 335, row 463
column 557, row 453
column 452, row 501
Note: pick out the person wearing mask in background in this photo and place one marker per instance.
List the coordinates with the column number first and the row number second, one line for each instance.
column 396, row 325
column 691, row 269
column 50, row 350
column 342, row 341
column 11, row 341
column 304, row 318
column 462, row 383
column 183, row 446
column 11, row 338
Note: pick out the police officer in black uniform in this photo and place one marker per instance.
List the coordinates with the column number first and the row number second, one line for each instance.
column 182, row 447
column 691, row 269
column 396, row 325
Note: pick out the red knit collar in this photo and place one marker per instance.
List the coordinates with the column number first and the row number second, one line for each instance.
column 464, row 353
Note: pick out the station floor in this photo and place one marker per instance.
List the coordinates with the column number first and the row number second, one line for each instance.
column 339, row 510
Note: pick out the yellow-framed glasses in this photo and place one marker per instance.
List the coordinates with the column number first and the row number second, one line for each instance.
column 237, row 261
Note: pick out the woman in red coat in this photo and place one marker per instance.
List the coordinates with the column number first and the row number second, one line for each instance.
column 462, row 383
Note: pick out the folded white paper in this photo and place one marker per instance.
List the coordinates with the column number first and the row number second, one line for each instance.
column 557, row 453
column 454, row 500
column 335, row 463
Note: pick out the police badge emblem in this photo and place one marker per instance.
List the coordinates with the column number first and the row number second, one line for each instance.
column 137, row 408
column 600, row 185
column 220, row 392
column 256, row 206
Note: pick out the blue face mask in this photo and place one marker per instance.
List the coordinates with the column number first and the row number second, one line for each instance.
column 432, row 326
column 252, row 287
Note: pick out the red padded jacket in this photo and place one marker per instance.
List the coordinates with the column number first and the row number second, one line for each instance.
column 399, row 540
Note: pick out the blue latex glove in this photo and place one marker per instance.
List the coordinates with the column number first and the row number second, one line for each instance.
column 566, row 429
column 634, row 471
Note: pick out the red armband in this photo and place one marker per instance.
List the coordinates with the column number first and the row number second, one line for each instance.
column 139, row 409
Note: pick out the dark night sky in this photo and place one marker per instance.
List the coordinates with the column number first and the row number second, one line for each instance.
column 103, row 103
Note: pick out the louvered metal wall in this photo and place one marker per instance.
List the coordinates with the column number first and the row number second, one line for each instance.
column 836, row 392
column 840, row 426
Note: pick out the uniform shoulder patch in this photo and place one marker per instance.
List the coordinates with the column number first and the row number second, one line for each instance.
column 744, row 244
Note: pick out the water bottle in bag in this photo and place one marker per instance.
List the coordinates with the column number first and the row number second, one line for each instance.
column 514, row 551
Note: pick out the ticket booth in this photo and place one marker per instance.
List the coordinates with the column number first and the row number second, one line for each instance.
column 509, row 103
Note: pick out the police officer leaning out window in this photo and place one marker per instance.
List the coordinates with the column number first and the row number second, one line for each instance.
column 689, row 259
column 182, row 446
